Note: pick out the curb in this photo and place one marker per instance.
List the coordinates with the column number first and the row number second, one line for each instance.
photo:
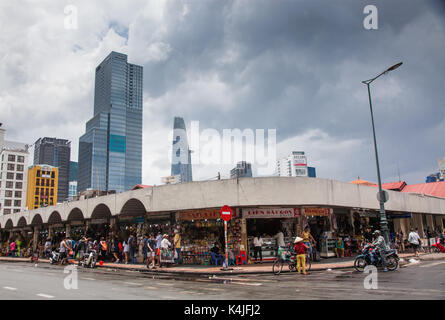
column 425, row 257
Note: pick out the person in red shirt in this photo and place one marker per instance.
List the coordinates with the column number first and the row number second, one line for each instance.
column 300, row 249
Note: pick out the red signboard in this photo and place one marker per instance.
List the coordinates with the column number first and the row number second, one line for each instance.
column 226, row 213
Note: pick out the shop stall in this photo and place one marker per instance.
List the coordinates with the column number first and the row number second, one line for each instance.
column 77, row 229
column 162, row 222
column 267, row 222
column 201, row 229
column 319, row 221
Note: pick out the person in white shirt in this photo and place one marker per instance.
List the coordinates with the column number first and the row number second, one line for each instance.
column 165, row 244
column 280, row 238
column 414, row 240
column 257, row 243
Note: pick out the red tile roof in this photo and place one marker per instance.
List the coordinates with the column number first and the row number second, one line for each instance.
column 395, row 186
column 436, row 189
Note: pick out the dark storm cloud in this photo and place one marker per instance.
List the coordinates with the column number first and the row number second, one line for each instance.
column 292, row 65
column 302, row 63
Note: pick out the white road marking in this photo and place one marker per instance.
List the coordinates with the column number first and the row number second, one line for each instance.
column 151, row 288
column 89, row 279
column 165, row 284
column 432, row 264
column 44, row 295
column 248, row 284
column 133, row 283
column 9, row 288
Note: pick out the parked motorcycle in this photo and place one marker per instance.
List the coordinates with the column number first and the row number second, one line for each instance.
column 438, row 247
column 89, row 259
column 370, row 256
column 54, row 257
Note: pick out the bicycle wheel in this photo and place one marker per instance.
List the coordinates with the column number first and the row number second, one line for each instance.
column 360, row 264
column 292, row 266
column 277, row 266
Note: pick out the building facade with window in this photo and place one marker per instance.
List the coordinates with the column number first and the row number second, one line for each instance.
column 243, row 169
column 110, row 151
column 294, row 165
column 13, row 175
column 55, row 152
column 42, row 186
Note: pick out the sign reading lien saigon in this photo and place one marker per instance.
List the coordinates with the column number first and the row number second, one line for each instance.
column 271, row 212
column 308, row 211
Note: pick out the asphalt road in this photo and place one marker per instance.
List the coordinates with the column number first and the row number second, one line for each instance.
column 423, row 280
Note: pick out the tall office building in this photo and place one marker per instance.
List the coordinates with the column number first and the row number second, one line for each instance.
column 13, row 175
column 181, row 154
column 72, row 187
column 243, row 169
column 57, row 153
column 295, row 165
column 110, row 151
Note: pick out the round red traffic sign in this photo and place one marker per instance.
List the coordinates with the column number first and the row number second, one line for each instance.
column 226, row 213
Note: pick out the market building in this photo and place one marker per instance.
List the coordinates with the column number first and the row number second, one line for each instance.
column 260, row 206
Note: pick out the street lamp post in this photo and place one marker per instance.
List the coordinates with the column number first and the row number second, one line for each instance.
column 383, row 221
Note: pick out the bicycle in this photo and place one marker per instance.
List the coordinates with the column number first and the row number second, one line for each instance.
column 287, row 256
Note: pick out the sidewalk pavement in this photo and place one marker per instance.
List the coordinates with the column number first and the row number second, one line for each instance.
column 325, row 264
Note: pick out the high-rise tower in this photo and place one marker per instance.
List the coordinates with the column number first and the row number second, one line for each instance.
column 110, row 151
column 181, row 154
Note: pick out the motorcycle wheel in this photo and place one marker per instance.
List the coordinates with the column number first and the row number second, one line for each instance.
column 277, row 266
column 436, row 250
column 360, row 264
column 393, row 264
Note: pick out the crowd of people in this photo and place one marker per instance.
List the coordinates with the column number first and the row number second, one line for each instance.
column 146, row 249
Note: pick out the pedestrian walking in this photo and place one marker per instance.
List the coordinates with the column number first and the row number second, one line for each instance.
column 116, row 249
column 177, row 245
column 308, row 239
column 144, row 248
column 151, row 251
column 400, row 241
column 126, row 251
column 47, row 248
column 414, row 240
column 257, row 243
column 300, row 249
column 158, row 247
column 132, row 242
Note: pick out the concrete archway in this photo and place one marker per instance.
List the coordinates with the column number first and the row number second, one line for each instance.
column 134, row 208
column 101, row 211
column 22, row 222
column 55, row 218
column 9, row 224
column 37, row 220
column 75, row 215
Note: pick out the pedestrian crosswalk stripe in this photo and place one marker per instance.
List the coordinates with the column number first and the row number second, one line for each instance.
column 9, row 288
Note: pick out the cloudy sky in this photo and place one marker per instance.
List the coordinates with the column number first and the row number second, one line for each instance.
column 294, row 66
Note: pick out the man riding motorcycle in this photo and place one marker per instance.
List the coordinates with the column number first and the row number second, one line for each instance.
column 381, row 247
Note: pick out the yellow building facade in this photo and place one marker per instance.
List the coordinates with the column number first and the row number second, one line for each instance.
column 42, row 186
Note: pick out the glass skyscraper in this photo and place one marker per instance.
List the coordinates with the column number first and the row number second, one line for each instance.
column 110, row 151
column 181, row 154
column 55, row 152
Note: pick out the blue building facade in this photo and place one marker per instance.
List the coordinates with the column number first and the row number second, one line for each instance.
column 110, row 151
column 311, row 173
column 181, row 154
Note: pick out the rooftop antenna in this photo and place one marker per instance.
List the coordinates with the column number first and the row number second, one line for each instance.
column 398, row 170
